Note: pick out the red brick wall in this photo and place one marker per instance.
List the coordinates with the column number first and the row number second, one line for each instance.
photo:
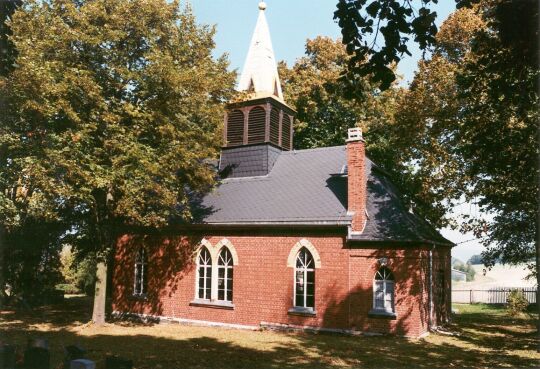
column 263, row 284
column 410, row 270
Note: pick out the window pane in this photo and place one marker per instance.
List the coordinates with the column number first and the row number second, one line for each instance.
column 378, row 294
column 299, row 300
column 230, row 285
column 311, row 276
column 310, row 301
column 304, row 279
column 310, row 285
column 205, row 274
column 299, row 281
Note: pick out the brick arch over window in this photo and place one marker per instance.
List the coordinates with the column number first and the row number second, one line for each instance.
column 228, row 244
column 204, row 243
column 216, row 249
column 291, row 260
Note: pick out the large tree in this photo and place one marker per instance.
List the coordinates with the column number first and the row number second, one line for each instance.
column 472, row 119
column 113, row 108
column 430, row 115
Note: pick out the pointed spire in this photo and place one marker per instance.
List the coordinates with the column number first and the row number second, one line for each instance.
column 260, row 74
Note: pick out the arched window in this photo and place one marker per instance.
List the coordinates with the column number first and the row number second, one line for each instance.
column 383, row 290
column 204, row 270
column 141, row 263
column 225, row 275
column 304, row 280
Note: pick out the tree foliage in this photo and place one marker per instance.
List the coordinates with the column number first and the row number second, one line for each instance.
column 112, row 110
column 7, row 51
column 430, row 115
column 312, row 86
column 363, row 22
column 498, row 134
column 472, row 120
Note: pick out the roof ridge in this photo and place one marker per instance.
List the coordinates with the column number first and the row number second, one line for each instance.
column 295, row 152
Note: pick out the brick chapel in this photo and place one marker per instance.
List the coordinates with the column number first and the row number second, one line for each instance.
column 316, row 239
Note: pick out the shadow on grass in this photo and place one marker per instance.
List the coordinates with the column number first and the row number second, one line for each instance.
column 176, row 346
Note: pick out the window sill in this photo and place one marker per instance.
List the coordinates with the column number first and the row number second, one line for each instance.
column 214, row 304
column 302, row 311
column 375, row 313
column 141, row 297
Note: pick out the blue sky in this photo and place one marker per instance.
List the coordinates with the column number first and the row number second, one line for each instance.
column 291, row 22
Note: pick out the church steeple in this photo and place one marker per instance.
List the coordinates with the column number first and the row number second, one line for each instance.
column 260, row 127
column 260, row 75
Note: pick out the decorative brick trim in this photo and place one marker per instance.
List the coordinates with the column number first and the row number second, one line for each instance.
column 215, row 250
column 291, row 260
column 226, row 243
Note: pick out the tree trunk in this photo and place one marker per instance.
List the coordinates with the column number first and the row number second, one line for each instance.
column 98, row 315
column 2, row 266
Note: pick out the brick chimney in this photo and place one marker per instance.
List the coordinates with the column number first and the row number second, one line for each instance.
column 356, row 180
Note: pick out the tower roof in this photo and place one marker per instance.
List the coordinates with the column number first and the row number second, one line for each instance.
column 260, row 74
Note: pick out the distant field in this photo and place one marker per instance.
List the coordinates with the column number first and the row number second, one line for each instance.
column 499, row 276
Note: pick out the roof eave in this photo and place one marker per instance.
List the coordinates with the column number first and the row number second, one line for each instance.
column 398, row 241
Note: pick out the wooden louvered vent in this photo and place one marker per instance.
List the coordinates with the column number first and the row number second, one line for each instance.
column 274, row 126
column 256, row 125
column 235, row 128
column 286, row 132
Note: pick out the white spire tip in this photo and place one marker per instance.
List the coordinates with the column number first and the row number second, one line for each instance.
column 262, row 5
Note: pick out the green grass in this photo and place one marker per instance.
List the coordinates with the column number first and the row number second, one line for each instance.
column 487, row 338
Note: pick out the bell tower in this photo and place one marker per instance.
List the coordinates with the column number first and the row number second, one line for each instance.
column 260, row 127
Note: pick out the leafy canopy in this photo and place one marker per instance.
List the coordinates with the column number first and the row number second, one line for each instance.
column 113, row 108
column 471, row 118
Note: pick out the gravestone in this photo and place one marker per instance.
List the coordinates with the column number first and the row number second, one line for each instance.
column 115, row 362
column 7, row 357
column 38, row 342
column 72, row 352
column 82, row 364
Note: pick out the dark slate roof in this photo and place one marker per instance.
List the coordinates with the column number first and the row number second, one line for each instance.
column 303, row 188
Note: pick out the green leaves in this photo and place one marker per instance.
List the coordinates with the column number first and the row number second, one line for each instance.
column 396, row 21
column 116, row 104
column 314, row 88
column 471, row 118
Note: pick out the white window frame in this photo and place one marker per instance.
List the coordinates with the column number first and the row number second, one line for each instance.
column 388, row 303
column 304, row 271
column 206, row 267
column 228, row 267
column 215, row 254
column 140, row 260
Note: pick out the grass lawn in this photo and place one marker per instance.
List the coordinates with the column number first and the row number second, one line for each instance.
column 487, row 338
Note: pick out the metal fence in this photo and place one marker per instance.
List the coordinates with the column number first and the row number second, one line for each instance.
column 496, row 295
